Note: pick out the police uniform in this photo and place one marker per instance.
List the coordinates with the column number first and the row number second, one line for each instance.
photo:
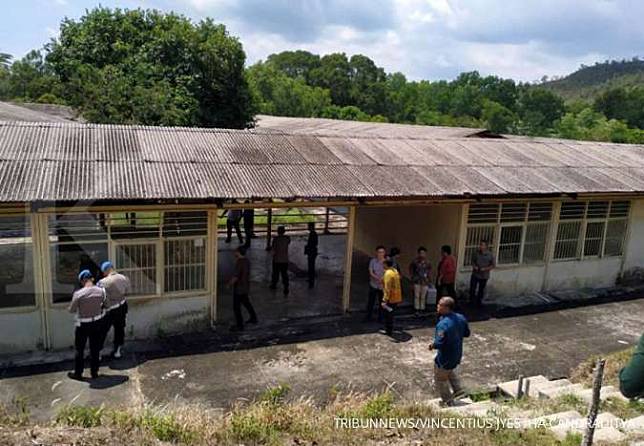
column 87, row 303
column 116, row 286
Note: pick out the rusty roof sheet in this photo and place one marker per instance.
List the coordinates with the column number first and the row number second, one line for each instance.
column 72, row 161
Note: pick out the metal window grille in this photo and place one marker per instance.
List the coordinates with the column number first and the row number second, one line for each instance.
column 510, row 244
column 567, row 242
column 572, row 210
column 138, row 262
column 619, row 209
column 16, row 257
column 534, row 245
column 185, row 264
column 474, row 236
column 511, row 212
column 594, row 238
column 483, row 213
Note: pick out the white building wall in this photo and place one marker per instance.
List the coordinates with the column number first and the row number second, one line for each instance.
column 634, row 254
column 21, row 331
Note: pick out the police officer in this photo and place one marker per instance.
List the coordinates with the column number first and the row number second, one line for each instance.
column 116, row 286
column 87, row 303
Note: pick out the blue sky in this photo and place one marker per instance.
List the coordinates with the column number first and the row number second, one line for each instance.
column 425, row 39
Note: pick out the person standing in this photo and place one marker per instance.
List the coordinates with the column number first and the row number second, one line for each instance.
column 420, row 271
column 391, row 296
column 116, row 287
column 87, row 304
column 280, row 259
column 249, row 225
column 451, row 328
column 311, row 252
column 482, row 263
column 232, row 221
column 394, row 255
column 446, row 277
column 376, row 273
column 241, row 288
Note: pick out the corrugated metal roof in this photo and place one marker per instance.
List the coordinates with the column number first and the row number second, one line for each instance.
column 71, row 161
column 34, row 112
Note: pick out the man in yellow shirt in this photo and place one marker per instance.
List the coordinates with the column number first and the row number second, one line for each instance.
column 392, row 295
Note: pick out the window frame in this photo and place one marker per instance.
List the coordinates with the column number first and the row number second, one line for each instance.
column 499, row 224
column 584, row 221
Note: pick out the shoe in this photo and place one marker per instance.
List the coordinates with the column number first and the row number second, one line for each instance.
column 236, row 328
column 116, row 353
column 459, row 395
column 74, row 376
column 449, row 403
column 251, row 321
column 94, row 375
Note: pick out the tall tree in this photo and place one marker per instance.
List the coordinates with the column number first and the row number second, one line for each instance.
column 143, row 66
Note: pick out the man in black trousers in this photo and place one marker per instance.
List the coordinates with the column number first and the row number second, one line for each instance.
column 311, row 252
column 241, row 287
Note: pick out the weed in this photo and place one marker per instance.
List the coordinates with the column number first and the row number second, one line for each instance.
column 81, row 416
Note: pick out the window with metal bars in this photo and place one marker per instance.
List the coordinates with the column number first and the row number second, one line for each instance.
column 161, row 252
column 16, row 258
column 517, row 231
column 591, row 229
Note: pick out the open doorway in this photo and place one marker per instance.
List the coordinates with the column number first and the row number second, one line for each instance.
column 324, row 298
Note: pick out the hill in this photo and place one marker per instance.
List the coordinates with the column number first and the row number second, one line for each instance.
column 590, row 81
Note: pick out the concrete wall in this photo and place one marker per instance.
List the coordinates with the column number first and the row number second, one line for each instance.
column 407, row 228
column 147, row 318
column 21, row 331
column 506, row 281
column 634, row 253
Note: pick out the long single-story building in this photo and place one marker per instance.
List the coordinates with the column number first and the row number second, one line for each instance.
column 559, row 214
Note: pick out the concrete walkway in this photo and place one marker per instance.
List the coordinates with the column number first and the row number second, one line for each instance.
column 340, row 354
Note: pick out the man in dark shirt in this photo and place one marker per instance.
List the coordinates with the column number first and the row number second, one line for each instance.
column 482, row 263
column 280, row 259
column 249, row 225
column 241, row 287
column 311, row 252
column 232, row 222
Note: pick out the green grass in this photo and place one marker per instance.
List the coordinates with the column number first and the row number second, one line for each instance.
column 292, row 216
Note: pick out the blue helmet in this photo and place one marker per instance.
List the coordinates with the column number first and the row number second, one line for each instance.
column 106, row 265
column 83, row 275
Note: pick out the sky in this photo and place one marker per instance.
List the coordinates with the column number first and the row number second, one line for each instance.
column 424, row 39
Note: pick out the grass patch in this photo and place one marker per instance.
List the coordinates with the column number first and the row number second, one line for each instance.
column 623, row 409
column 16, row 415
column 544, row 406
column 583, row 373
column 292, row 216
column 81, row 416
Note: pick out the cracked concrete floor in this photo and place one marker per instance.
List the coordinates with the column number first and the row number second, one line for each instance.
column 342, row 357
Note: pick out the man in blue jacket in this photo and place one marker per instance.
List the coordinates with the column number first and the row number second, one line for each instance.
column 451, row 329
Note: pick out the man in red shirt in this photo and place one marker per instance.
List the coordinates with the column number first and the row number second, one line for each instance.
column 446, row 273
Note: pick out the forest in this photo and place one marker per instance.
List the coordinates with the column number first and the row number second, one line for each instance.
column 147, row 67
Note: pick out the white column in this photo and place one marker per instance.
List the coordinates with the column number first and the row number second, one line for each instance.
column 42, row 272
column 348, row 259
column 211, row 264
column 550, row 243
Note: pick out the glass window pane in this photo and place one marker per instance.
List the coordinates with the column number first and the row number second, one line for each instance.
column 73, row 227
column 510, row 244
column 540, row 211
column 572, row 210
column 597, row 209
column 615, row 233
column 619, row 209
column 16, row 263
column 513, row 212
column 535, row 243
column 568, row 234
column 594, row 237
column 69, row 259
column 483, row 213
column 138, row 262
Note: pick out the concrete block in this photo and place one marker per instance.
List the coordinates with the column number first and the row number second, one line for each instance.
column 587, row 394
column 536, row 382
column 635, row 425
column 606, row 429
column 479, row 409
column 556, row 391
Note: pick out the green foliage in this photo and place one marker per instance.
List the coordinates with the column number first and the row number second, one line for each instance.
column 165, row 427
column 591, row 125
column 275, row 395
column 497, row 118
column 81, row 416
column 378, row 406
column 623, row 104
column 146, row 67
column 17, row 415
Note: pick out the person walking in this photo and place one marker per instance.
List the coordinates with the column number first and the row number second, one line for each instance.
column 116, row 287
column 241, row 288
column 482, row 263
column 420, row 271
column 451, row 328
column 248, row 217
column 232, row 221
column 446, row 277
column 376, row 273
column 311, row 252
column 391, row 296
column 87, row 303
column 280, row 259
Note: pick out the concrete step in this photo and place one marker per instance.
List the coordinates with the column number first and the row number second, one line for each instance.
column 605, row 392
column 536, row 382
column 436, row 402
column 635, row 425
column 559, row 390
column 606, row 429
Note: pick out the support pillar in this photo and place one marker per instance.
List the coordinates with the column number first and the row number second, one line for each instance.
column 348, row 260
column 211, row 260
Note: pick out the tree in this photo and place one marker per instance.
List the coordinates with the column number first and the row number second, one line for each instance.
column 31, row 78
column 295, row 64
column 623, row 104
column 113, row 63
column 334, row 74
column 539, row 110
column 5, row 61
column 497, row 118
